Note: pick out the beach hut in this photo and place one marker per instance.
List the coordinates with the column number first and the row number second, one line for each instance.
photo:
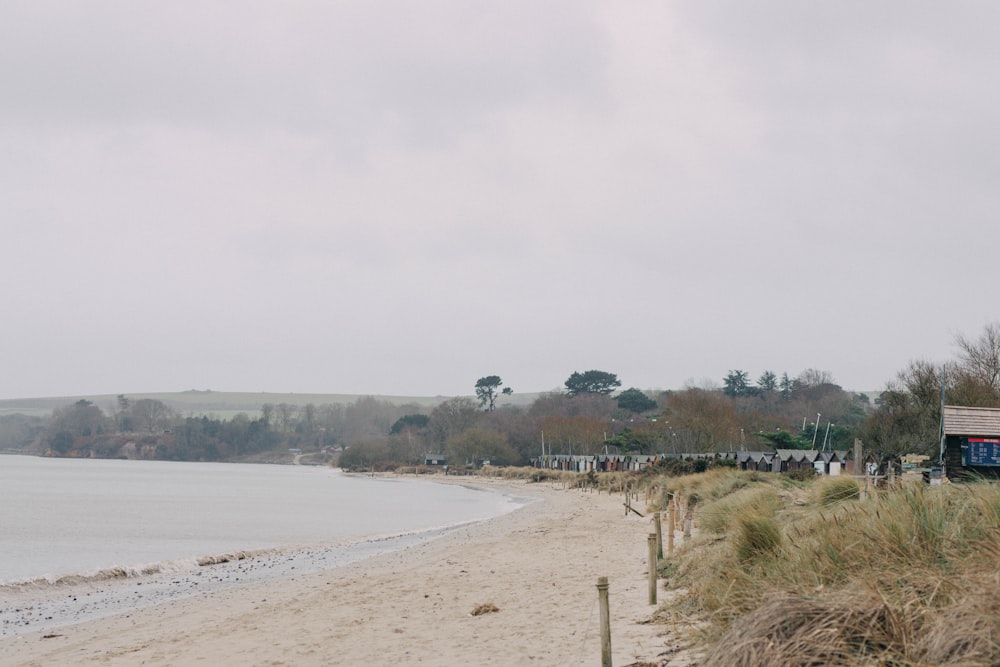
column 760, row 461
column 744, row 460
column 971, row 443
column 780, row 461
column 795, row 459
column 832, row 462
column 435, row 460
column 640, row 461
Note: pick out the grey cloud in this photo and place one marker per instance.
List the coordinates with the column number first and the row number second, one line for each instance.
column 398, row 197
column 429, row 69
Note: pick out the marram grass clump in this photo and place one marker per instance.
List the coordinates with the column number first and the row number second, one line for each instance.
column 719, row 516
column 836, row 631
column 757, row 537
column 830, row 490
column 711, row 485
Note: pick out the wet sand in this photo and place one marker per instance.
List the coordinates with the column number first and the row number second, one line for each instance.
column 538, row 566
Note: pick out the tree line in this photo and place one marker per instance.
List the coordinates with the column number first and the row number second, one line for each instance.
column 591, row 415
column 151, row 429
column 908, row 414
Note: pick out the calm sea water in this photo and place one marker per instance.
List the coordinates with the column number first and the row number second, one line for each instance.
column 63, row 517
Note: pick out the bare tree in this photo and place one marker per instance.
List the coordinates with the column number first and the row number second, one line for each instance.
column 150, row 415
column 478, row 444
column 704, row 421
column 286, row 415
column 812, row 377
column 980, row 358
column 309, row 418
column 452, row 418
column 267, row 415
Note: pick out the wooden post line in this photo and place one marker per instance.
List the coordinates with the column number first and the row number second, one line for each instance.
column 651, row 543
column 671, row 528
column 686, row 520
column 602, row 601
column 659, row 534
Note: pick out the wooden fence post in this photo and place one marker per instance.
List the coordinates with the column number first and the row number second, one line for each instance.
column 859, row 467
column 602, row 601
column 651, row 543
column 671, row 527
column 659, row 534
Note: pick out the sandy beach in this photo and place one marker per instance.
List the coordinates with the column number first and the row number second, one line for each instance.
column 538, row 566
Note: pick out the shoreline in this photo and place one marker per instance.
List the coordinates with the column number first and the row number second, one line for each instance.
column 538, row 565
column 73, row 520
column 47, row 606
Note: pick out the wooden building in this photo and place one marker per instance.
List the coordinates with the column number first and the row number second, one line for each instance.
column 787, row 460
column 760, row 461
column 831, row 462
column 435, row 460
column 971, row 442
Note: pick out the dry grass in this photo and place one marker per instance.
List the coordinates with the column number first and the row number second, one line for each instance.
column 605, row 482
column 862, row 628
column 909, row 577
column 718, row 516
column 527, row 473
column 711, row 485
column 758, row 537
column 801, row 631
column 965, row 633
column 831, row 490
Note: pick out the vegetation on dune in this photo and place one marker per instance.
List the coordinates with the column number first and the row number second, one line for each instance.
column 830, row 490
column 806, row 573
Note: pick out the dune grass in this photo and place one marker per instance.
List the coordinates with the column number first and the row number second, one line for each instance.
column 832, row 490
column 811, row 575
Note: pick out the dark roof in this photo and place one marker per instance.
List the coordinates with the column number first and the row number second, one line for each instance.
column 971, row 421
column 797, row 454
column 755, row 457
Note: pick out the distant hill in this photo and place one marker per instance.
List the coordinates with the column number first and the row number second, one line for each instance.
column 225, row 404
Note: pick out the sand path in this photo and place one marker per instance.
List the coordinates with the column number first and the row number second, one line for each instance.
column 538, row 565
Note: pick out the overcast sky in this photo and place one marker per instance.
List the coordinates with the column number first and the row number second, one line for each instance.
column 401, row 197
